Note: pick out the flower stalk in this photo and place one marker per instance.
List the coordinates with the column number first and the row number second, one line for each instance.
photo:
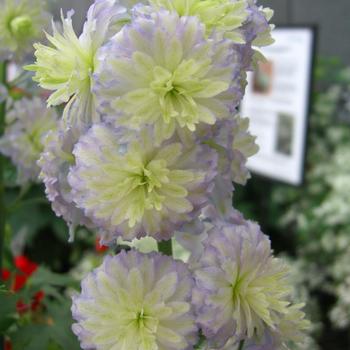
column 3, row 67
column 3, row 76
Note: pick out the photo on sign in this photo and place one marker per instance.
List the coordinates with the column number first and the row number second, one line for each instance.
column 263, row 78
column 285, row 133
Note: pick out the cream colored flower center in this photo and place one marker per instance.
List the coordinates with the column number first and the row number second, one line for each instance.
column 151, row 178
column 153, row 175
column 146, row 322
column 236, row 289
column 175, row 92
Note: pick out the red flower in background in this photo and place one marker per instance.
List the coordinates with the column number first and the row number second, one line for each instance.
column 25, row 265
column 25, row 269
column 38, row 297
column 5, row 274
column 19, row 282
column 8, row 345
column 100, row 248
column 21, row 307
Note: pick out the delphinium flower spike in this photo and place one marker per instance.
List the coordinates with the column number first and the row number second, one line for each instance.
column 150, row 145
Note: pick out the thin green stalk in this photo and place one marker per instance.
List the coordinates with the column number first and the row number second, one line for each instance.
column 166, row 247
column 241, row 344
column 3, row 77
column 2, row 187
column 19, row 199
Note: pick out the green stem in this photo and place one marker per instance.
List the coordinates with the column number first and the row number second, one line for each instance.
column 165, row 247
column 2, row 186
column 16, row 203
column 241, row 344
column 3, row 78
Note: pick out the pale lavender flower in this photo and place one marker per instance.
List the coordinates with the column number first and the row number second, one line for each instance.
column 134, row 188
column 243, row 147
column 190, row 238
column 161, row 70
column 136, row 301
column 290, row 331
column 257, row 33
column 234, row 144
column 257, row 29
column 55, row 162
column 218, row 212
column 27, row 123
column 241, row 289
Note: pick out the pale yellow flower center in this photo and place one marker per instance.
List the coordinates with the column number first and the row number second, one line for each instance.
column 236, row 289
column 146, row 322
column 150, row 178
column 175, row 91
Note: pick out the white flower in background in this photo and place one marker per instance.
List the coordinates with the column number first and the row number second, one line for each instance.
column 21, row 23
column 66, row 67
column 333, row 209
column 340, row 312
column 27, row 123
column 135, row 301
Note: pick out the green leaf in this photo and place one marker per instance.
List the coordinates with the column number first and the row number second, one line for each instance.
column 44, row 277
column 61, row 331
column 8, row 314
column 31, row 337
column 53, row 333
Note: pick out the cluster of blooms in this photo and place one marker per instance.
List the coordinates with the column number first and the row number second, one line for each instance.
column 149, row 145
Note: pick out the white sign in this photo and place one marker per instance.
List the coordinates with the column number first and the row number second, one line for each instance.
column 277, row 103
